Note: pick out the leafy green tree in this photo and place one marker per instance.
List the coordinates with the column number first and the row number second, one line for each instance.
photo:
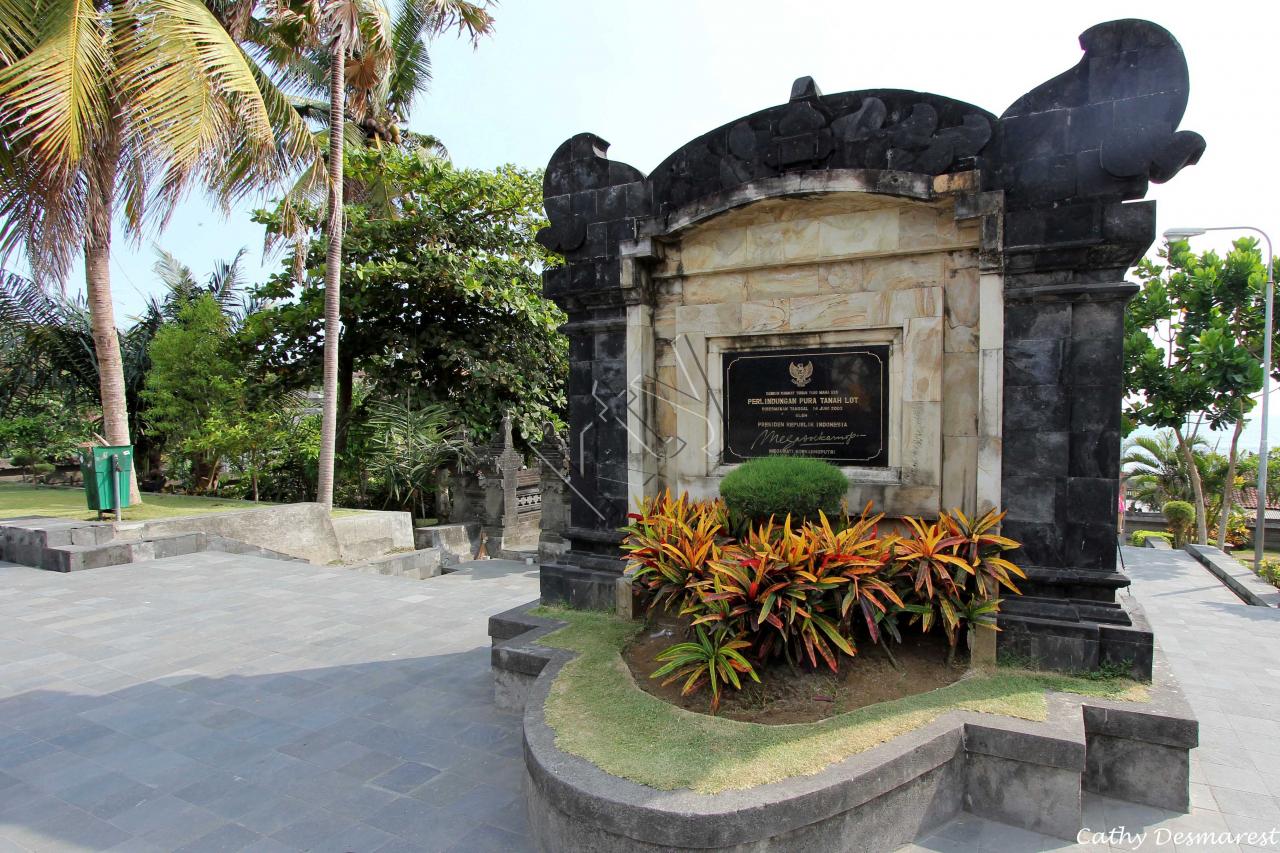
column 195, row 385
column 1248, row 472
column 355, row 43
column 1156, row 467
column 42, row 429
column 116, row 108
column 443, row 295
column 409, row 446
column 1192, row 349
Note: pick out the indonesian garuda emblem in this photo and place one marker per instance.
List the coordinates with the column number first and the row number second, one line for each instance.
column 801, row 373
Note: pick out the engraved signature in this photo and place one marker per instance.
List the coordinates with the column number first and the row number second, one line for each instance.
column 773, row 438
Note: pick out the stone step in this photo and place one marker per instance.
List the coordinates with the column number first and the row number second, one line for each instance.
column 75, row 558
column 224, row 545
column 457, row 542
column 66, row 545
column 419, row 564
column 159, row 547
column 363, row 550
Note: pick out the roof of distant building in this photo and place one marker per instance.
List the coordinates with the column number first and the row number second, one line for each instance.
column 1247, row 498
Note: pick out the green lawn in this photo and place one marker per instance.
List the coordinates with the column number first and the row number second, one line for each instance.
column 18, row 499
column 1245, row 554
column 599, row 713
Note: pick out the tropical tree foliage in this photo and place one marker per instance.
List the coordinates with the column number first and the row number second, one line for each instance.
column 114, row 109
column 356, row 45
column 443, row 295
column 409, row 446
column 1156, row 468
column 1193, row 340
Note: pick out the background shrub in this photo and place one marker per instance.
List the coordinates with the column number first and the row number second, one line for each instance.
column 1140, row 537
column 1181, row 516
column 782, row 485
column 1269, row 571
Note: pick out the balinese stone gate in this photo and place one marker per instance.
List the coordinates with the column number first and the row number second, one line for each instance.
column 496, row 490
column 962, row 272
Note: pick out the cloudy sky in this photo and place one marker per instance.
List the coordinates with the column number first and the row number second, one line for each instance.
column 649, row 76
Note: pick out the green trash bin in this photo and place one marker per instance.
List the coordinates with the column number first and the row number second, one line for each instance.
column 97, row 466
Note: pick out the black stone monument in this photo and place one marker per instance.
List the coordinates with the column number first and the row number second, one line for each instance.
column 1060, row 174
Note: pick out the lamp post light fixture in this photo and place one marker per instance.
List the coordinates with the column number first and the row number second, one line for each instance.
column 1260, row 519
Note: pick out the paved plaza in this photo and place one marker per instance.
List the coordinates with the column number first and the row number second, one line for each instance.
column 219, row 702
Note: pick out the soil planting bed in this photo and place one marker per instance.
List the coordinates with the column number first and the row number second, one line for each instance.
column 805, row 695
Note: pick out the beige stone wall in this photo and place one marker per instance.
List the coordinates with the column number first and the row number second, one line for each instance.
column 828, row 270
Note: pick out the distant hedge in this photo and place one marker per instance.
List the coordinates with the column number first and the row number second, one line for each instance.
column 782, row 485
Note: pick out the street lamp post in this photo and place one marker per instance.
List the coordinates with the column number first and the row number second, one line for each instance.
column 1260, row 519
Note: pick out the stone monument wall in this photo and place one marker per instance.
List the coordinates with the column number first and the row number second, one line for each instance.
column 820, row 273
column 941, row 288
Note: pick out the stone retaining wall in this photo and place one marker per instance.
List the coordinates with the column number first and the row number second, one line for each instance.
column 1029, row 774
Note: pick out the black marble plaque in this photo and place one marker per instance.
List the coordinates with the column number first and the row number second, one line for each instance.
column 827, row 404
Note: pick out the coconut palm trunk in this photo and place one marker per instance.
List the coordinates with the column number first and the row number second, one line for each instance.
column 332, row 273
column 97, row 276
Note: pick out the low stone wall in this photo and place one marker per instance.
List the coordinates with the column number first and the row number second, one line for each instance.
column 1025, row 773
column 367, row 534
column 1236, row 576
column 300, row 530
column 457, row 543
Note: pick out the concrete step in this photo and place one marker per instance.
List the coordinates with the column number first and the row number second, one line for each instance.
column 224, row 545
column 362, row 550
column 419, row 564
column 457, row 542
column 65, row 545
column 177, row 545
column 75, row 558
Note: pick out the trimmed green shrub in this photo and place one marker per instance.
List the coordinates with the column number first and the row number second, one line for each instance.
column 1181, row 517
column 1140, row 537
column 1269, row 571
column 782, row 485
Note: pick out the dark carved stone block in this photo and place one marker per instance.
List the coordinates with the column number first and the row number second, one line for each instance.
column 1043, row 452
column 1026, row 321
column 1094, row 453
column 1036, row 407
column 1035, row 362
column 1092, row 499
column 1032, row 498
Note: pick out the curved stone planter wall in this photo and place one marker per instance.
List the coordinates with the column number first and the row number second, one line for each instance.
column 1025, row 773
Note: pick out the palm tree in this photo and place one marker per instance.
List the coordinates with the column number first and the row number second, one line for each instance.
column 47, row 342
column 383, row 67
column 1156, row 465
column 118, row 107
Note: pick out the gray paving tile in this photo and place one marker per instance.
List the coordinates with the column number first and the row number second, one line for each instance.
column 431, row 828
column 405, row 777
column 108, row 795
column 228, row 838
column 173, row 743
column 490, row 839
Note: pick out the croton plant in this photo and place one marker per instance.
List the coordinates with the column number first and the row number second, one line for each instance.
column 808, row 592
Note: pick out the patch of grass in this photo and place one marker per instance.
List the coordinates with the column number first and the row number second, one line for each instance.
column 599, row 713
column 18, row 499
column 1245, row 554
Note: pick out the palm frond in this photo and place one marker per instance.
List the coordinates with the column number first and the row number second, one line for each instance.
column 54, row 100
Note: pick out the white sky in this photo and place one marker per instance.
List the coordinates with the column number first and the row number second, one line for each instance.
column 649, row 76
